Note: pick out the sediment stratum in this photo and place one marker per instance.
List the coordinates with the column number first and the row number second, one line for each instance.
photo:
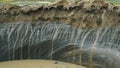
column 81, row 14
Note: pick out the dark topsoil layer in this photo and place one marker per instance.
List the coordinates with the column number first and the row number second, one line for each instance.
column 81, row 14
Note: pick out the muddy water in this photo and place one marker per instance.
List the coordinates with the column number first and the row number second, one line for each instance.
column 37, row 64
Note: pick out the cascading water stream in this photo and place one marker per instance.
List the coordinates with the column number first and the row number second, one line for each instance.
column 93, row 48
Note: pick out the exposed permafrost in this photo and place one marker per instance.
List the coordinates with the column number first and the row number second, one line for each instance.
column 51, row 32
column 94, row 48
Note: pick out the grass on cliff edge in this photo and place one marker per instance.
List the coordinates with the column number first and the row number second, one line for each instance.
column 31, row 2
column 26, row 3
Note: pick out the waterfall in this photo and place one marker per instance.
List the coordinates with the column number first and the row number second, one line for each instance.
column 62, row 42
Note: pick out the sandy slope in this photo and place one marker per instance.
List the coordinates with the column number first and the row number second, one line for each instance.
column 37, row 64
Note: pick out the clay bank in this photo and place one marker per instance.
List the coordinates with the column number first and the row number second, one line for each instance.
column 82, row 14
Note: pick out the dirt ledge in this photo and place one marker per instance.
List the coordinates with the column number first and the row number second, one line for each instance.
column 81, row 14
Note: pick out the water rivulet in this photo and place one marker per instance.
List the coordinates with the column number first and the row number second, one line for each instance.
column 93, row 48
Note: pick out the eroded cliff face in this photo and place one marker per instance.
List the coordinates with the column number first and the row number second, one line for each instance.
column 82, row 14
